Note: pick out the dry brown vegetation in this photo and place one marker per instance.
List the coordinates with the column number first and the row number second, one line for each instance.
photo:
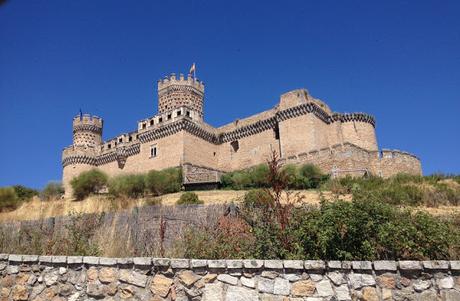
column 37, row 209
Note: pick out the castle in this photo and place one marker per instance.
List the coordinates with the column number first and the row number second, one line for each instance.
column 301, row 129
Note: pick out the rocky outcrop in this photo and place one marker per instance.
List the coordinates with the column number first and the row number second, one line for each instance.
column 27, row 277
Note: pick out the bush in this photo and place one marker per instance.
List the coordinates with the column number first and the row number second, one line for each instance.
column 8, row 199
column 299, row 177
column 189, row 198
column 52, row 190
column 165, row 181
column 88, row 182
column 25, row 193
column 254, row 177
column 401, row 189
column 364, row 229
column 130, row 186
column 305, row 176
column 257, row 198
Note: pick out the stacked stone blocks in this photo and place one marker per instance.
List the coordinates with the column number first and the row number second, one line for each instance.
column 31, row 277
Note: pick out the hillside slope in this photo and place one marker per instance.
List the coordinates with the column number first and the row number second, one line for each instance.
column 37, row 209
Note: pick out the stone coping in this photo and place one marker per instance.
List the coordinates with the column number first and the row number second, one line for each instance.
column 181, row 263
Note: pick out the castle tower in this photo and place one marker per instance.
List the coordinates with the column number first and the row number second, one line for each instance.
column 178, row 92
column 87, row 131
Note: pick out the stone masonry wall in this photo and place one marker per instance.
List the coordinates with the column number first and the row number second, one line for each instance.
column 299, row 124
column 31, row 277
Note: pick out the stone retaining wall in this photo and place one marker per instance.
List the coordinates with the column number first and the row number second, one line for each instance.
column 30, row 277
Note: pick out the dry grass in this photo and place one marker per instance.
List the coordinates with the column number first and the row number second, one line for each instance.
column 37, row 209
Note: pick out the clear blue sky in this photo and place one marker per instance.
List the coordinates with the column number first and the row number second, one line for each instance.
column 397, row 60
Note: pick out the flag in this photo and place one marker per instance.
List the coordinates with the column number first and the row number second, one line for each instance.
column 81, row 115
column 192, row 69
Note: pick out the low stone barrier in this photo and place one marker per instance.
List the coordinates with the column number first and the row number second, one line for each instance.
column 30, row 277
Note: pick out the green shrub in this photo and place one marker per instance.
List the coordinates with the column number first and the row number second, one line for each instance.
column 52, row 190
column 373, row 230
column 88, row 182
column 189, row 198
column 357, row 230
column 257, row 198
column 401, row 189
column 254, row 177
column 25, row 193
column 8, row 199
column 259, row 176
column 305, row 176
column 165, row 181
column 299, row 177
column 130, row 186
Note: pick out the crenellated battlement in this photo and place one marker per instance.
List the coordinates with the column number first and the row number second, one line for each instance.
column 300, row 128
column 87, row 131
column 353, row 117
column 393, row 153
column 181, row 82
column 87, row 119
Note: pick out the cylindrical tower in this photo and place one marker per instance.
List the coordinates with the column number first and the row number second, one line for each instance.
column 87, row 131
column 358, row 129
column 174, row 93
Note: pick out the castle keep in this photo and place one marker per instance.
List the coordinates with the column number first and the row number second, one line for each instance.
column 301, row 129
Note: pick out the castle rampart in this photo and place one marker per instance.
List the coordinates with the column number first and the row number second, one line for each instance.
column 300, row 128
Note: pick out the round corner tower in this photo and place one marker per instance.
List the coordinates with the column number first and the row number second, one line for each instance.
column 87, row 131
column 179, row 92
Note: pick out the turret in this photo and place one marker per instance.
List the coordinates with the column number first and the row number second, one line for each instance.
column 178, row 92
column 87, row 131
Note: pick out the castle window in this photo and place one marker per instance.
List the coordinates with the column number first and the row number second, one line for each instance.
column 188, row 113
column 235, row 145
column 169, row 116
column 179, row 113
column 144, row 126
column 153, row 151
column 109, row 146
column 120, row 140
column 151, row 122
column 276, row 132
column 160, row 119
column 130, row 138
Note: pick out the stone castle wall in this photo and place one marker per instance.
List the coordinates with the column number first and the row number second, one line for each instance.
column 31, row 277
column 301, row 129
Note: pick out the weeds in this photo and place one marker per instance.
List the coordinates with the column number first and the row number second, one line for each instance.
column 189, row 198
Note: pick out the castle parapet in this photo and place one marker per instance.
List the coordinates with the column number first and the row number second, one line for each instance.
column 87, row 130
column 87, row 119
column 350, row 117
column 394, row 153
column 175, row 92
column 172, row 80
column 167, row 117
